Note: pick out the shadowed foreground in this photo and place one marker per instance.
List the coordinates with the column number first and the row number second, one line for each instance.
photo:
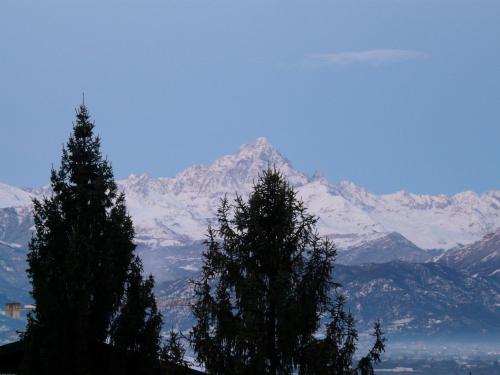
column 11, row 356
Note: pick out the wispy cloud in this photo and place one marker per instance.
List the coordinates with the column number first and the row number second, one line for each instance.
column 374, row 57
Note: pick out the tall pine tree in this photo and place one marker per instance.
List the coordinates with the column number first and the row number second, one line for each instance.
column 265, row 284
column 81, row 257
column 365, row 364
column 135, row 333
column 173, row 353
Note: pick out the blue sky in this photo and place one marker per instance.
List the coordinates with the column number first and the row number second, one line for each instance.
column 390, row 94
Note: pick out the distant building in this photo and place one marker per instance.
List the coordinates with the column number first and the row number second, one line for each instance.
column 13, row 310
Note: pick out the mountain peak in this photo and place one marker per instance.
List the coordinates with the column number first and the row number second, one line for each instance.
column 261, row 149
column 351, row 186
column 138, row 177
column 356, row 194
column 235, row 172
column 262, row 142
column 320, row 177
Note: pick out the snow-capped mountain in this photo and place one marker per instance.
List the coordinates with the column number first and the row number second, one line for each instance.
column 479, row 258
column 171, row 215
column 175, row 211
column 11, row 196
column 430, row 221
column 385, row 249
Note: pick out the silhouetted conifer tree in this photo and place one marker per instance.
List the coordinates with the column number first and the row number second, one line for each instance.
column 81, row 256
column 334, row 353
column 365, row 365
column 173, row 353
column 136, row 331
column 266, row 281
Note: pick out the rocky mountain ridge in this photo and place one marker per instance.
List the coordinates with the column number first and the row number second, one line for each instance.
column 456, row 291
column 412, row 299
column 175, row 211
column 481, row 258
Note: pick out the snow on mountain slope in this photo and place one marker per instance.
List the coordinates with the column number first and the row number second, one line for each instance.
column 479, row 258
column 176, row 211
column 234, row 172
column 430, row 221
column 339, row 219
column 173, row 211
column 386, row 249
column 11, row 196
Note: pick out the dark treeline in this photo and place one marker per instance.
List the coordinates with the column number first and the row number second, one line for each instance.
column 265, row 285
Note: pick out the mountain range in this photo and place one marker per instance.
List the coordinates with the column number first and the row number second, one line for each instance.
column 421, row 262
column 411, row 299
column 176, row 210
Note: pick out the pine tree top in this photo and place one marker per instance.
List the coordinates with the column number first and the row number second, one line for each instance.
column 83, row 127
